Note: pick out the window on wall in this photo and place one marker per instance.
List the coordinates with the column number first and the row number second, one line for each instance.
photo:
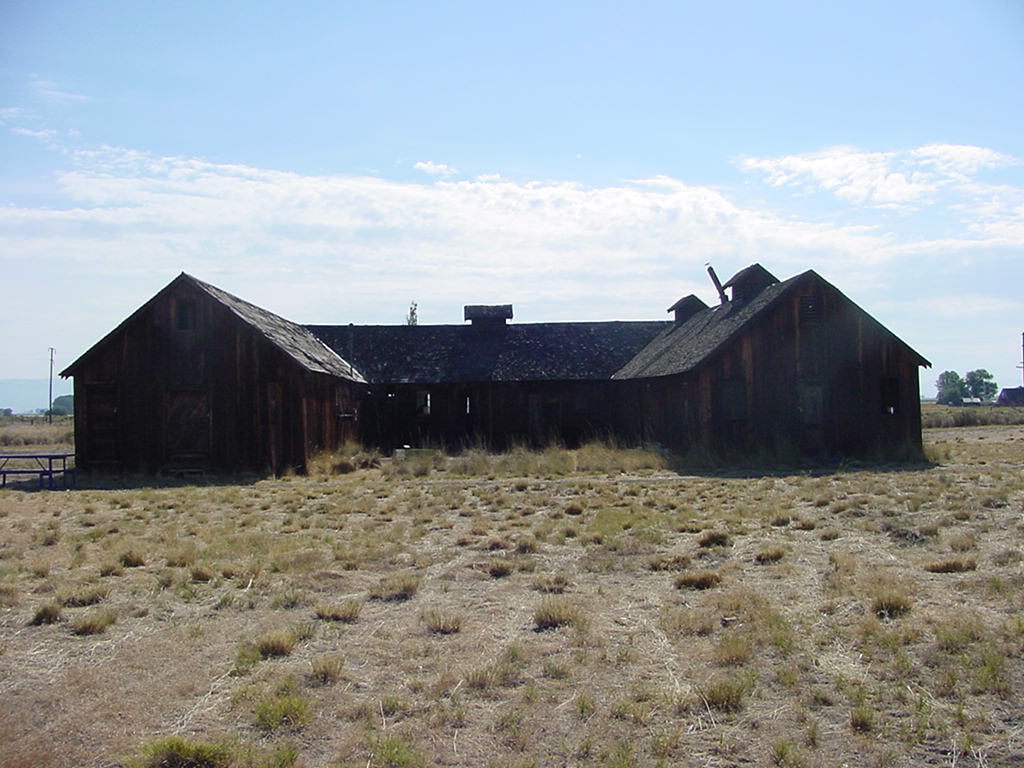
column 422, row 403
column 890, row 396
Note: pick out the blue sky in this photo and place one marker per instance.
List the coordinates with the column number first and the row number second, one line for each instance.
column 333, row 161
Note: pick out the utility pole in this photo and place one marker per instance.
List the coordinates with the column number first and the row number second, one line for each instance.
column 49, row 407
column 1021, row 366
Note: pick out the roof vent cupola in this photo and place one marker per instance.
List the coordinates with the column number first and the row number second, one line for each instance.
column 686, row 308
column 749, row 282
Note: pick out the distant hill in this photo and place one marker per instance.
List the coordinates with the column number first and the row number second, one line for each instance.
column 28, row 395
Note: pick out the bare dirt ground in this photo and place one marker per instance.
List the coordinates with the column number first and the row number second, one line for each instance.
column 863, row 618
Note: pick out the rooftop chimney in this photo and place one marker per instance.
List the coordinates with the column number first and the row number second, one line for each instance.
column 487, row 315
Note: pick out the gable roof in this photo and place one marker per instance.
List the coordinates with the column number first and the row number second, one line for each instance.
column 685, row 346
column 290, row 338
column 463, row 353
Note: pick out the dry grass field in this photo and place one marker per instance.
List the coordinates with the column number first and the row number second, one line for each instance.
column 526, row 610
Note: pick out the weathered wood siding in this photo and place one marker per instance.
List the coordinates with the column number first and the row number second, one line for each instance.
column 814, row 375
column 495, row 414
column 184, row 384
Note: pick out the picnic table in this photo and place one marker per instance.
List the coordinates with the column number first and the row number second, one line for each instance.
column 48, row 467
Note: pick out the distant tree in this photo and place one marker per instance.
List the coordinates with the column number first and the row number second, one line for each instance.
column 411, row 318
column 6, row 412
column 951, row 388
column 63, row 405
column 981, row 383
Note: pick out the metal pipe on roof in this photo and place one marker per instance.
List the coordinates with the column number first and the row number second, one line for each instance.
column 718, row 284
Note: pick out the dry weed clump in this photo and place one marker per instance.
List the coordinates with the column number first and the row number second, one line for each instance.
column 326, row 669
column 94, row 623
column 769, row 555
column 276, row 643
column 676, row 561
column 724, row 694
column 891, row 602
column 553, row 583
column 47, row 613
column 557, row 611
column 953, row 565
column 346, row 611
column 441, row 623
column 702, row 579
column 714, row 539
column 131, row 558
column 396, row 587
column 84, row 595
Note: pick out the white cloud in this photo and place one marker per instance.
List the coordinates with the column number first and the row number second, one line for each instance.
column 48, row 90
column 435, row 169
column 903, row 181
column 960, row 159
column 356, row 248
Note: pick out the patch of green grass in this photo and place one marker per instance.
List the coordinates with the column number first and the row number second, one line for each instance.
column 276, row 643
column 289, row 711
column 724, row 694
column 862, row 719
column 396, row 751
column 176, row 752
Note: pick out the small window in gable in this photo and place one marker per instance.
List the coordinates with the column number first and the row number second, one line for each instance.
column 810, row 310
column 184, row 315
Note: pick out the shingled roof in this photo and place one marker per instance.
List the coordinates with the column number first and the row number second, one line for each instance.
column 687, row 345
column 683, row 347
column 427, row 354
column 292, row 339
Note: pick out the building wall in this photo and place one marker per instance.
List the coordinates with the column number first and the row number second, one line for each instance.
column 495, row 414
column 812, row 376
column 186, row 385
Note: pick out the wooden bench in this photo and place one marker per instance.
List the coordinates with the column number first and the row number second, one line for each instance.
column 48, row 467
